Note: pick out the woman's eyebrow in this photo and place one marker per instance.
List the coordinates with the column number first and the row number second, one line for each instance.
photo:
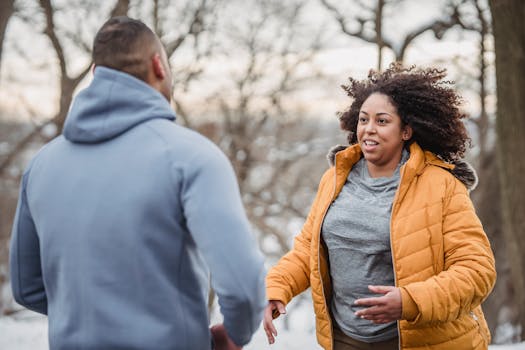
column 379, row 113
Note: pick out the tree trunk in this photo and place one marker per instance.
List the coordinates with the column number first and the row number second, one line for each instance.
column 487, row 196
column 509, row 37
column 379, row 33
column 6, row 10
column 487, row 202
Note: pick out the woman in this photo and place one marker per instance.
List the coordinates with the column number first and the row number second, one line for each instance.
column 392, row 247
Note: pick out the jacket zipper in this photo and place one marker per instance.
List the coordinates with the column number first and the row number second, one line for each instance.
column 319, row 252
column 480, row 330
column 394, row 206
column 402, row 171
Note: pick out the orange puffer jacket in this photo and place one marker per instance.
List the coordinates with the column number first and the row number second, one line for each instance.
column 442, row 259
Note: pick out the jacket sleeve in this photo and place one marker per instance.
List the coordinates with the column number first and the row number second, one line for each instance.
column 24, row 260
column 291, row 275
column 217, row 223
column 469, row 268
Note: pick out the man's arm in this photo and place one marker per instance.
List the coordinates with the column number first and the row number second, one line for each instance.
column 218, row 224
column 25, row 268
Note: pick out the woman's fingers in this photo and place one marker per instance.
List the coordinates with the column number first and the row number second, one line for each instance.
column 273, row 310
column 386, row 308
column 381, row 289
column 269, row 329
column 269, row 335
column 280, row 307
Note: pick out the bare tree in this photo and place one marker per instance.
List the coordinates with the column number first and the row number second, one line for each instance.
column 193, row 34
column 257, row 127
column 509, row 36
column 368, row 25
column 487, row 197
column 67, row 83
column 6, row 11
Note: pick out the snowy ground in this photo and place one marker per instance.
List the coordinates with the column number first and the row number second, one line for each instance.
column 28, row 332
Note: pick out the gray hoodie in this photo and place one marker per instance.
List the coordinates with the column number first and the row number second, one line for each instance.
column 120, row 223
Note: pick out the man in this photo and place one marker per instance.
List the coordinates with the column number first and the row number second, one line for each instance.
column 122, row 220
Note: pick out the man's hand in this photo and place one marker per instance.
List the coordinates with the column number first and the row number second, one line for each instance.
column 273, row 310
column 221, row 339
column 384, row 309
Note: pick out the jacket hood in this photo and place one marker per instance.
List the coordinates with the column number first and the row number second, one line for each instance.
column 113, row 103
column 462, row 170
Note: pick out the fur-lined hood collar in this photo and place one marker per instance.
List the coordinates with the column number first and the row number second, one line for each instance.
column 462, row 170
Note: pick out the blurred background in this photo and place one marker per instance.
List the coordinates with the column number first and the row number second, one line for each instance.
column 261, row 78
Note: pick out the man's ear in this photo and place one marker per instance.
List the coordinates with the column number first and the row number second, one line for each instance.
column 158, row 67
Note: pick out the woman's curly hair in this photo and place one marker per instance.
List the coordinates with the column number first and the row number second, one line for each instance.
column 423, row 100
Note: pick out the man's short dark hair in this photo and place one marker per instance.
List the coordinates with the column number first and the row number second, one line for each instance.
column 124, row 44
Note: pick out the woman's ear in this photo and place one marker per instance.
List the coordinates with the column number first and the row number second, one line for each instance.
column 407, row 132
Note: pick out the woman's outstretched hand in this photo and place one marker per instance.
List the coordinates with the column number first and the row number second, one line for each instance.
column 383, row 309
column 273, row 310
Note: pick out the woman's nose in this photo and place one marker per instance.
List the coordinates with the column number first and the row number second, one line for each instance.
column 370, row 127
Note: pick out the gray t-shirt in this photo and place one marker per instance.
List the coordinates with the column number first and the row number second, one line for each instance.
column 356, row 230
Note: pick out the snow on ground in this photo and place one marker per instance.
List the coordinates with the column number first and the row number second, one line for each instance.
column 29, row 332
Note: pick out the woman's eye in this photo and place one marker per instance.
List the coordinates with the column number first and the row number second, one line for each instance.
column 362, row 120
column 382, row 121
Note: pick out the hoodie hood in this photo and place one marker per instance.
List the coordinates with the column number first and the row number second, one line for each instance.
column 113, row 103
column 462, row 170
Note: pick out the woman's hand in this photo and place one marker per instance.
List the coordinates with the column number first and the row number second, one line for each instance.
column 274, row 309
column 384, row 309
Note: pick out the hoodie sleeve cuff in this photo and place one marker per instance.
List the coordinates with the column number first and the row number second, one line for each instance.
column 409, row 306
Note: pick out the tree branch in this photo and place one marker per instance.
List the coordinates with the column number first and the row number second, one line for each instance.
column 121, row 8
column 51, row 34
column 360, row 33
column 438, row 27
column 67, row 84
column 195, row 28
